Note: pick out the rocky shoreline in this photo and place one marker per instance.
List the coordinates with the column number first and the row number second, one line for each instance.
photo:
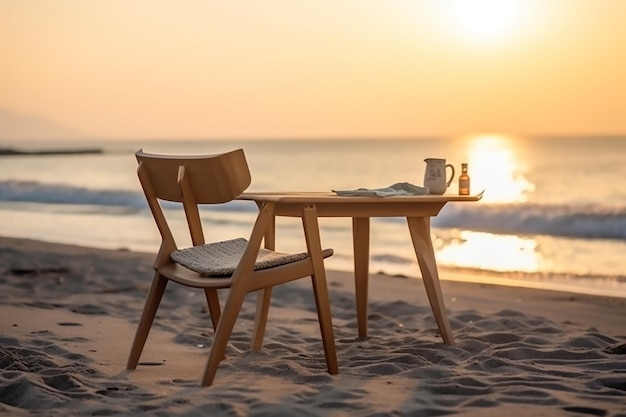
column 19, row 152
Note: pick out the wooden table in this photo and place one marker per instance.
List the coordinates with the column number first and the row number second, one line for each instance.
column 418, row 211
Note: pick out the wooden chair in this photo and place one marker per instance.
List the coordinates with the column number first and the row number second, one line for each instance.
column 240, row 265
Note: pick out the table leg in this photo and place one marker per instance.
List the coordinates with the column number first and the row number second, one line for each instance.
column 419, row 227
column 320, row 286
column 264, row 296
column 361, row 241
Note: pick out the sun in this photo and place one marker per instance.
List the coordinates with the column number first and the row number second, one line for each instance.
column 485, row 20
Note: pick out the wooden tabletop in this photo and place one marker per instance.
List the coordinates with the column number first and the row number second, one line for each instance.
column 330, row 197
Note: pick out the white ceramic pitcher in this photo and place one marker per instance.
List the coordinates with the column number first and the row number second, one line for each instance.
column 435, row 176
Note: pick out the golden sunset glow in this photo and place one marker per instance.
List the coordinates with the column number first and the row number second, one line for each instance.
column 486, row 20
column 497, row 169
column 283, row 69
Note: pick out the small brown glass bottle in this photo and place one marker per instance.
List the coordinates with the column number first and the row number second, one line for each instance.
column 464, row 181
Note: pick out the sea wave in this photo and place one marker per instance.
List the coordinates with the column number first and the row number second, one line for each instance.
column 36, row 192
column 591, row 221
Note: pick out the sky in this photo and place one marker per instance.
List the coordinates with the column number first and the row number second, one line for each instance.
column 120, row 69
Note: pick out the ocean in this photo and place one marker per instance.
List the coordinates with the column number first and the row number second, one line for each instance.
column 553, row 213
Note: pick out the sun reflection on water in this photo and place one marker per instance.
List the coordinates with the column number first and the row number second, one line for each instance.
column 496, row 167
column 504, row 253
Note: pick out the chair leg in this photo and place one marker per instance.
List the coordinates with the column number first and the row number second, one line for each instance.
column 147, row 317
column 222, row 333
column 264, row 297
column 213, row 302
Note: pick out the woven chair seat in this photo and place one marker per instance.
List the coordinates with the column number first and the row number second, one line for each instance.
column 219, row 259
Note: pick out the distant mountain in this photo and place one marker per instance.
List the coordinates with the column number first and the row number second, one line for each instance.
column 16, row 126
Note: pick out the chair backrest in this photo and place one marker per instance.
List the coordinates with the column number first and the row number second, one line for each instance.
column 213, row 179
column 191, row 180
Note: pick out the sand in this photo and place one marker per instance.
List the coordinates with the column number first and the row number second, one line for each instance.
column 68, row 315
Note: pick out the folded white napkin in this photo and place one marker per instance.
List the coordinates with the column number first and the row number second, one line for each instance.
column 399, row 188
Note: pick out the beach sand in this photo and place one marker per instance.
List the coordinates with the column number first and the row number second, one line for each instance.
column 68, row 315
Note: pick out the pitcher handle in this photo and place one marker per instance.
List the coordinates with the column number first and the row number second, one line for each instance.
column 451, row 176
